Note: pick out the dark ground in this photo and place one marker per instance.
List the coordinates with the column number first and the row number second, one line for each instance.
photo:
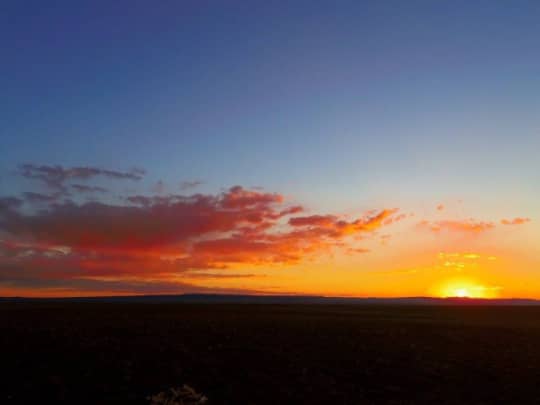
column 105, row 353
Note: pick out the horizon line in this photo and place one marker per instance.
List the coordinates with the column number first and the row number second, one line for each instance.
column 270, row 296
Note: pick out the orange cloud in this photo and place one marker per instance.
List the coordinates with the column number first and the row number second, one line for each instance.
column 359, row 250
column 515, row 221
column 332, row 226
column 156, row 238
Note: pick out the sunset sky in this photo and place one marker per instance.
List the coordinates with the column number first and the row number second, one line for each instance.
column 345, row 148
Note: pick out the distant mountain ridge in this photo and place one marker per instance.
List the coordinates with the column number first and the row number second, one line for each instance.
column 281, row 299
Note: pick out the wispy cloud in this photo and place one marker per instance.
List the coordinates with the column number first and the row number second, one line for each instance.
column 33, row 197
column 333, row 226
column 515, row 221
column 159, row 187
column 81, row 188
column 187, row 184
column 55, row 177
column 468, row 225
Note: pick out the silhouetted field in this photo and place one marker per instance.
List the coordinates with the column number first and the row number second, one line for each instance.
column 105, row 353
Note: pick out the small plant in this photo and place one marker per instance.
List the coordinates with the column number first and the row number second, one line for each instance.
column 184, row 395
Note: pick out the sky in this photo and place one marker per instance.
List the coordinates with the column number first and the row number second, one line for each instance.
column 344, row 148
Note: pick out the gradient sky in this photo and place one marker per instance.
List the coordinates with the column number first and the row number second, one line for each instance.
column 338, row 148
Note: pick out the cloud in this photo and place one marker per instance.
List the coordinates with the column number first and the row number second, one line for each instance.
column 55, row 177
column 395, row 219
column 97, row 225
column 9, row 203
column 187, row 185
column 471, row 256
column 454, row 255
column 36, row 286
column 384, row 239
column 162, row 239
column 81, row 188
column 215, row 275
column 314, row 220
column 295, row 209
column 358, row 250
column 33, row 197
column 515, row 221
column 159, row 187
column 440, row 207
column 468, row 225
column 332, row 226
column 238, row 197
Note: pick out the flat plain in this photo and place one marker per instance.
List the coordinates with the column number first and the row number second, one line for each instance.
column 115, row 353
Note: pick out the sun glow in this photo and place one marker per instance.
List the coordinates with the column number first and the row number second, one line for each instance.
column 463, row 288
column 463, row 292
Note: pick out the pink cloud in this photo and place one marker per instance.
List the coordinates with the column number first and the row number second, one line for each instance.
column 468, row 225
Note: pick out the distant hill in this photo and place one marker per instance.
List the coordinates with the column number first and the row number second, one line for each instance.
column 280, row 299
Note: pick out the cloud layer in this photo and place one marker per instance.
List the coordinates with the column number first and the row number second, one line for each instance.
column 159, row 239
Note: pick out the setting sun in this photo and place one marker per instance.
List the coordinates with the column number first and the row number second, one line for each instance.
column 464, row 288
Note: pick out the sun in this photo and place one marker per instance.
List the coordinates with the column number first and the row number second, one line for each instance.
column 462, row 293
column 464, row 288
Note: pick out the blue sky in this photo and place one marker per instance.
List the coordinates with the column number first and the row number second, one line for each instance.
column 307, row 96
